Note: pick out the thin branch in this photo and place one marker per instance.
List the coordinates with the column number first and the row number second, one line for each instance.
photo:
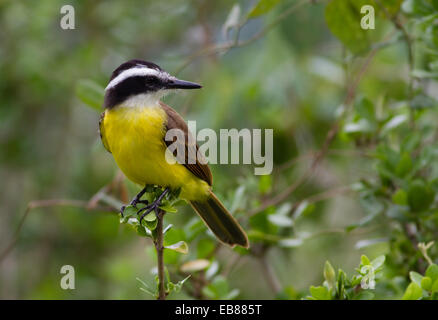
column 331, row 135
column 236, row 43
column 159, row 247
column 44, row 204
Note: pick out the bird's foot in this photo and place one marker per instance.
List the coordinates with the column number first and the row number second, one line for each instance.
column 154, row 206
column 136, row 200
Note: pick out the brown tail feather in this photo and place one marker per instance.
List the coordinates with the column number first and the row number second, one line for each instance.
column 220, row 221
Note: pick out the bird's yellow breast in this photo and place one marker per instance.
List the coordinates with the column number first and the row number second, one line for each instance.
column 135, row 137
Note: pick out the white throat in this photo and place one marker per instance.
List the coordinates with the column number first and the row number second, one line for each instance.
column 144, row 100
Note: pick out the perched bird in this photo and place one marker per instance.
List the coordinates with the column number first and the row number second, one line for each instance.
column 133, row 128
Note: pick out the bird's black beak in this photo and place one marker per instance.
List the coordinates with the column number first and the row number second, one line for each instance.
column 181, row 84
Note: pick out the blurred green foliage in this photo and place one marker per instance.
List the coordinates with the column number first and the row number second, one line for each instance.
column 308, row 72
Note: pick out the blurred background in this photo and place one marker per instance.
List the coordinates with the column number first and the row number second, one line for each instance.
column 294, row 76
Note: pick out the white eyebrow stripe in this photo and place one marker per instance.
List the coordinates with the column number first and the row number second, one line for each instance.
column 133, row 72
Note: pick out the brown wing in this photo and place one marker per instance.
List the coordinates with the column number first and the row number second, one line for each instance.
column 102, row 132
column 175, row 121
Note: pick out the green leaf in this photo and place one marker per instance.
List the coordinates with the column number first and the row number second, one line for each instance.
column 280, row 220
column 400, row 197
column 150, row 217
column 90, row 93
column 142, row 231
column 364, row 260
column 329, row 274
column 426, row 283
column 217, row 289
column 432, row 272
column 365, row 108
column 180, row 283
column 180, row 247
column 394, row 123
column 435, row 286
column 378, row 262
column 420, row 196
column 320, row 293
column 413, row 292
column 404, row 166
column 129, row 211
column 168, row 208
column 343, row 19
column 151, row 225
column 422, row 101
column 265, row 184
column 262, row 7
column 416, row 277
column 305, row 208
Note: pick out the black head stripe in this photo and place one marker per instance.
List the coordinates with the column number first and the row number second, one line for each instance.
column 131, row 87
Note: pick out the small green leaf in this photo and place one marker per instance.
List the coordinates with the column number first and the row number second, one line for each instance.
column 265, row 183
column 129, row 211
column 280, row 220
column 426, row 283
column 168, row 208
column 435, row 286
column 343, row 19
column 413, row 292
column 404, row 166
column 378, row 262
column 320, row 293
column 178, row 286
column 329, row 274
column 180, row 247
column 420, row 196
column 394, row 123
column 150, row 217
column 151, row 225
column 142, row 231
column 432, row 272
column 416, row 277
column 305, row 208
column 400, row 197
column 365, row 109
column 262, row 7
column 364, row 260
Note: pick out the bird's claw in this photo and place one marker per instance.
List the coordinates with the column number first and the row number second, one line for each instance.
column 155, row 206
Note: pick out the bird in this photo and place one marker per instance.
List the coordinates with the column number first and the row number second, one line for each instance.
column 133, row 128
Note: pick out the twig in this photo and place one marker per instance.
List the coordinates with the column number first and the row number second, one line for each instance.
column 411, row 61
column 236, row 43
column 44, row 204
column 319, row 156
column 159, row 247
column 268, row 271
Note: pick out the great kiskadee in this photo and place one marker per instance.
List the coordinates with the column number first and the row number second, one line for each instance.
column 133, row 128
